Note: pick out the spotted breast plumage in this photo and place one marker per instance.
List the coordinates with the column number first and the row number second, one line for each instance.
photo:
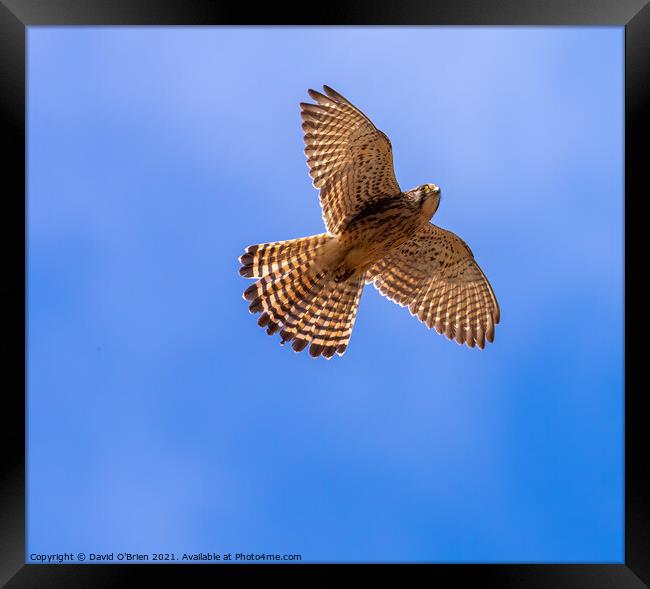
column 308, row 289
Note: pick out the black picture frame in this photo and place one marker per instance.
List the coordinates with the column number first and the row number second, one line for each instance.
column 17, row 15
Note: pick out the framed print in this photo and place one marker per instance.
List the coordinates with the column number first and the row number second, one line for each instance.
column 453, row 276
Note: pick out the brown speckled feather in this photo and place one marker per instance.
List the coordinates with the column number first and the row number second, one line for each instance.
column 332, row 330
column 436, row 276
column 260, row 260
column 350, row 160
column 299, row 299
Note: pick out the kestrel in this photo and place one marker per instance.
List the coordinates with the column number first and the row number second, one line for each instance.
column 308, row 289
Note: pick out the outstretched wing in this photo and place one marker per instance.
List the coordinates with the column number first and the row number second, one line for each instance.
column 349, row 159
column 436, row 276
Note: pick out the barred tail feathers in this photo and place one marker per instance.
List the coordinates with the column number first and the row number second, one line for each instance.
column 265, row 258
column 297, row 296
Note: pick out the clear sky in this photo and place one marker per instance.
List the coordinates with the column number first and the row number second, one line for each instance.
column 162, row 419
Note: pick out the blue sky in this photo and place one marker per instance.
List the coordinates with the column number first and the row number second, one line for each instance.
column 162, row 419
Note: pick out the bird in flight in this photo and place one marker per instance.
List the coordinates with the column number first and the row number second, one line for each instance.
column 308, row 289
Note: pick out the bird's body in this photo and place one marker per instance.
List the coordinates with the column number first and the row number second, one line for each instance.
column 308, row 289
column 376, row 229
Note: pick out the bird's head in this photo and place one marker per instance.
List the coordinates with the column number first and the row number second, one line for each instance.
column 429, row 198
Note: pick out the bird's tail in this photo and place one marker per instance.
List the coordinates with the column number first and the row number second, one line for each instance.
column 297, row 294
